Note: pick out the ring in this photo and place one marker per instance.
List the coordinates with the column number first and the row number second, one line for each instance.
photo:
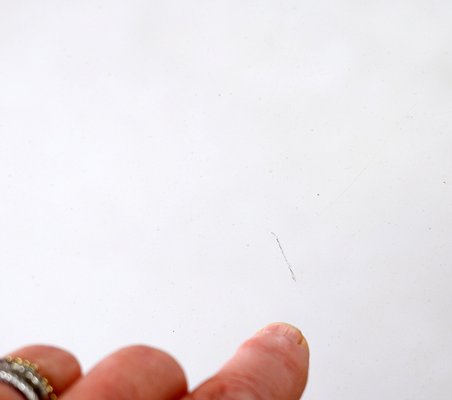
column 23, row 376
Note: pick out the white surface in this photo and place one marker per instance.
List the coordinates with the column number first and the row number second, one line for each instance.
column 148, row 149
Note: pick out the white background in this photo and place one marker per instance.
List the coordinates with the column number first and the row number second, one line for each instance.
column 149, row 148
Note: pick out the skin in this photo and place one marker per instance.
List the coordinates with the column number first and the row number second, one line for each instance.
column 272, row 365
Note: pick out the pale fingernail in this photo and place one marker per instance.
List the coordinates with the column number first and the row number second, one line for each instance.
column 283, row 329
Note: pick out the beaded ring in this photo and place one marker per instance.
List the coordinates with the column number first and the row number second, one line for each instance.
column 23, row 375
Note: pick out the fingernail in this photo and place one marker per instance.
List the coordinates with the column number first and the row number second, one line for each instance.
column 283, row 329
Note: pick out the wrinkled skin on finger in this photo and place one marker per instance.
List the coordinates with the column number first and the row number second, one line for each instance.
column 271, row 365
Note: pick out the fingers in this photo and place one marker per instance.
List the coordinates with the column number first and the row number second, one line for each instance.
column 136, row 372
column 58, row 366
column 271, row 365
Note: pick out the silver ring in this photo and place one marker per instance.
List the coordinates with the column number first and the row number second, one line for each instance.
column 18, row 384
column 24, row 377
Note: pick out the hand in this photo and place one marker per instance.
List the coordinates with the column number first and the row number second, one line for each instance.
column 272, row 365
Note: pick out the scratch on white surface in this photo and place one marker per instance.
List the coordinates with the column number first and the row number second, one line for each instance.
column 371, row 161
column 284, row 255
column 347, row 188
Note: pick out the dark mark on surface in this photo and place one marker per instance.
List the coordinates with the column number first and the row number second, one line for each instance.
column 284, row 255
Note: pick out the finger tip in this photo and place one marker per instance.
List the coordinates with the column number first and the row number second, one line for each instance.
column 285, row 329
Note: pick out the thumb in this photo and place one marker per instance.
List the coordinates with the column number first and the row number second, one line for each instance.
column 273, row 364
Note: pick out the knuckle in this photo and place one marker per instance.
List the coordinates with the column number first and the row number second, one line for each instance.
column 148, row 360
column 146, row 355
